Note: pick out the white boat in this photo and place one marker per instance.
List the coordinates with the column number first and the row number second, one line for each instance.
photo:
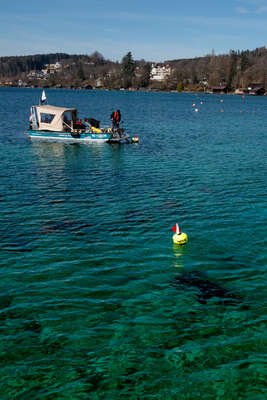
column 52, row 123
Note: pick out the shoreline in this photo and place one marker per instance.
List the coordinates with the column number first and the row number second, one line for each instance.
column 235, row 93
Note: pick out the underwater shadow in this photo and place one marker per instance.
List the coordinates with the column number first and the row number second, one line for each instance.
column 206, row 289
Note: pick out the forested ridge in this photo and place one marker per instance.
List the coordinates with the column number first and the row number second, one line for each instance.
column 237, row 69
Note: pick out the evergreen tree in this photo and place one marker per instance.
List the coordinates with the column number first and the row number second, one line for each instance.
column 244, row 64
column 180, row 86
column 80, row 72
column 127, row 70
column 142, row 73
column 233, row 68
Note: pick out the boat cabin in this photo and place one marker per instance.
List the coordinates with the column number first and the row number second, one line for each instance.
column 52, row 118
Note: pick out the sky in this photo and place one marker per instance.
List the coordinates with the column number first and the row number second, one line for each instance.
column 154, row 30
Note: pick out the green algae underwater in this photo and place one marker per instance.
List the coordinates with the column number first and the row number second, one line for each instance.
column 96, row 301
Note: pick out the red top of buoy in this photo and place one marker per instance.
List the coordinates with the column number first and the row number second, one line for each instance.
column 176, row 229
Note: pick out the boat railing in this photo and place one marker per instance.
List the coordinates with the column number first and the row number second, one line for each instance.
column 69, row 126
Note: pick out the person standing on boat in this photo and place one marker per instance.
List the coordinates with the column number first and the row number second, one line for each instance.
column 116, row 119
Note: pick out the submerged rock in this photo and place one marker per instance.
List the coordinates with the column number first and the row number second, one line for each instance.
column 206, row 289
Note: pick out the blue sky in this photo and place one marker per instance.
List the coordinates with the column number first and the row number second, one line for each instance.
column 155, row 30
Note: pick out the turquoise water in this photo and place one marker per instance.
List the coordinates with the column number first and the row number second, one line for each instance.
column 96, row 302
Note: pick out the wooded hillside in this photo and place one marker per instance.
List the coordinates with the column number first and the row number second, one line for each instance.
column 238, row 69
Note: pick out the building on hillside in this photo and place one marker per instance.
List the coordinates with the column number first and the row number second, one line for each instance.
column 98, row 83
column 21, row 83
column 36, row 74
column 159, row 72
column 239, row 91
column 7, row 83
column 256, row 89
column 52, row 68
column 204, row 82
column 220, row 89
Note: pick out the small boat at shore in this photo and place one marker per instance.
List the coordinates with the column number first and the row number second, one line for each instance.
column 52, row 123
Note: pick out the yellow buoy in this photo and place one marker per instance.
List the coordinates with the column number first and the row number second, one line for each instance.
column 179, row 237
column 182, row 238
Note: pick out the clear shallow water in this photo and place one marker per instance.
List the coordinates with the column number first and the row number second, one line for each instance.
column 96, row 302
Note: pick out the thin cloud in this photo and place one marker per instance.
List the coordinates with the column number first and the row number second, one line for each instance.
column 242, row 10
column 146, row 17
column 251, row 7
column 261, row 10
column 256, row 11
column 224, row 22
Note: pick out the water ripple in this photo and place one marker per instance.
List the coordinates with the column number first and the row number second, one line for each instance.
column 94, row 293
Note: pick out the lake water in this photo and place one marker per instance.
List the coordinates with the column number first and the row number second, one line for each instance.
column 96, row 302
